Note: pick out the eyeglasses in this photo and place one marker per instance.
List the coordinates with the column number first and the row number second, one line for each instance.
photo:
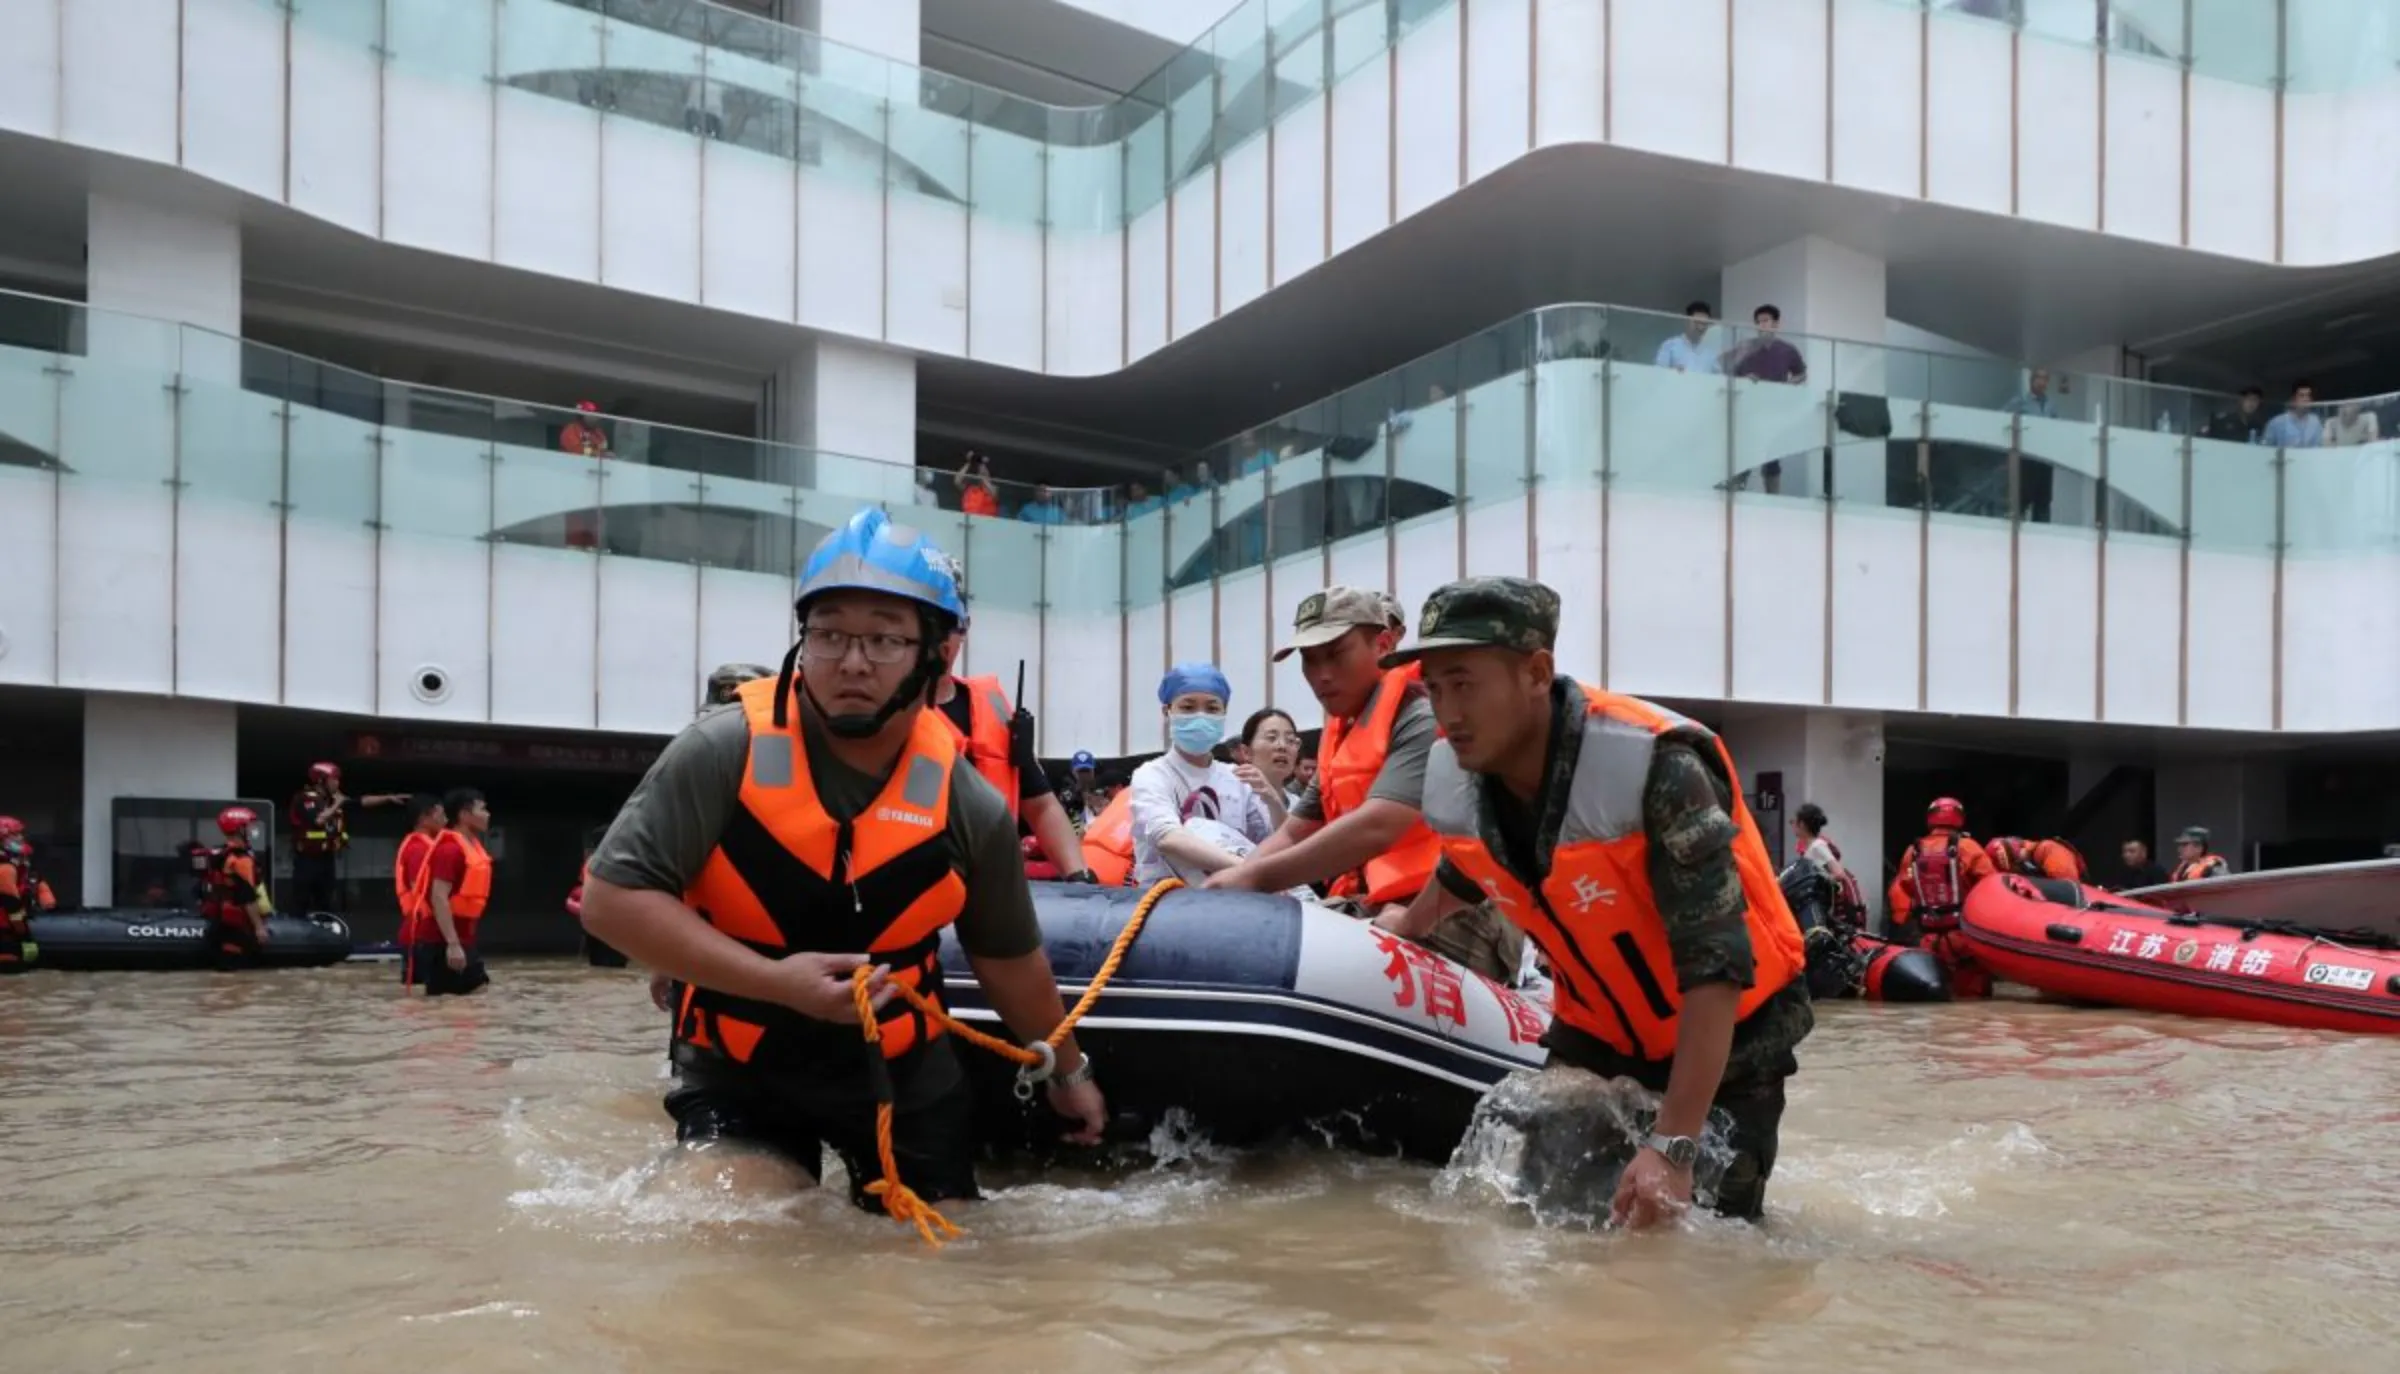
column 832, row 646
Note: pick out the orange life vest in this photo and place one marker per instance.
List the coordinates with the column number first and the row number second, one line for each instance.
column 467, row 900
column 403, row 886
column 991, row 748
column 2193, row 870
column 1594, row 915
column 1108, row 841
column 794, row 878
column 2058, row 859
column 230, row 870
column 1936, row 877
column 1349, row 755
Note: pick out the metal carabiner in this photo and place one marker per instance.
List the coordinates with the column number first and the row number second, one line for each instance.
column 1029, row 1076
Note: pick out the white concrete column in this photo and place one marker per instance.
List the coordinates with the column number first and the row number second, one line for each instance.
column 158, row 252
column 1832, row 758
column 846, row 398
column 1828, row 293
column 890, row 28
column 135, row 746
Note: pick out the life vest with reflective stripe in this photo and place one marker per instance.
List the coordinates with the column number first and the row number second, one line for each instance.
column 787, row 877
column 1936, row 877
column 1595, row 915
column 309, row 837
column 991, row 747
column 1108, row 841
column 1349, row 756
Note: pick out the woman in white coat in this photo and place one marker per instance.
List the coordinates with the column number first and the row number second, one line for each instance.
column 1191, row 814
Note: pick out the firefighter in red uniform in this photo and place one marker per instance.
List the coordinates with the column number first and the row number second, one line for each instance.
column 1936, row 874
column 233, row 893
column 22, row 893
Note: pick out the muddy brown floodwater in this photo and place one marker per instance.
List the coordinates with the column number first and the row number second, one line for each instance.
column 301, row 1171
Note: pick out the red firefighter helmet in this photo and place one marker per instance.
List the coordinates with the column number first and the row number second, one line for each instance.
column 1946, row 813
column 324, row 772
column 236, row 821
column 10, row 826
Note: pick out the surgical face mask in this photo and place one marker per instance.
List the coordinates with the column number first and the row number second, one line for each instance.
column 1196, row 734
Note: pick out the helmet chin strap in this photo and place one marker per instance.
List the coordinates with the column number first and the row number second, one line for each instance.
column 918, row 687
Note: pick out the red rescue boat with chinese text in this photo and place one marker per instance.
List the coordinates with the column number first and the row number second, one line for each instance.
column 2079, row 942
column 1254, row 1017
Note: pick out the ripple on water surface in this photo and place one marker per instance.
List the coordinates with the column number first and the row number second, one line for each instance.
column 303, row 1170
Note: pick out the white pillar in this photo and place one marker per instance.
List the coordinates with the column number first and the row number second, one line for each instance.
column 162, row 253
column 136, row 746
column 1832, row 758
column 847, row 398
column 890, row 28
column 1828, row 293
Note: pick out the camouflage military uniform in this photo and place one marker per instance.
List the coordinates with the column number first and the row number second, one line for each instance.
column 1687, row 806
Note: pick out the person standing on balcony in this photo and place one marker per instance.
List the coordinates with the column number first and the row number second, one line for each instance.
column 2351, row 426
column 1360, row 826
column 2298, row 425
column 583, row 434
column 1690, row 351
column 1613, row 833
column 976, row 493
column 1769, row 358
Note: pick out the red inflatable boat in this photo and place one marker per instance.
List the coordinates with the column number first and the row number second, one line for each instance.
column 2079, row 942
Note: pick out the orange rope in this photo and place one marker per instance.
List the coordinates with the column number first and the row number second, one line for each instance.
column 901, row 1202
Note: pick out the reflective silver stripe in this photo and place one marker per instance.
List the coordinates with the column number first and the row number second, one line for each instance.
column 923, row 790
column 770, row 759
column 1605, row 800
column 999, row 704
column 1450, row 793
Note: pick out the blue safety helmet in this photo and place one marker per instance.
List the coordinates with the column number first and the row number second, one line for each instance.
column 1083, row 759
column 1194, row 677
column 871, row 554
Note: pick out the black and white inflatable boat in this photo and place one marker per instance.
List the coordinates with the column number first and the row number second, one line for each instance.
column 149, row 940
column 1259, row 1017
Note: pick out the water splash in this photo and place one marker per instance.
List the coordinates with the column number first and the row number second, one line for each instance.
column 1555, row 1141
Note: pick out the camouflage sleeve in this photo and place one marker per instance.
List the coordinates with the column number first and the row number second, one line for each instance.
column 1686, row 810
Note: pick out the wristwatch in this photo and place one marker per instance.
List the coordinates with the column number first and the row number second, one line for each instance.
column 1082, row 875
column 1082, row 1074
column 1679, row 1150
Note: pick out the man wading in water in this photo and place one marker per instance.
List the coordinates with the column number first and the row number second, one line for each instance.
column 1610, row 831
column 827, row 822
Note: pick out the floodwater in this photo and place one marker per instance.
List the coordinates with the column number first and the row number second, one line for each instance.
column 303, row 1171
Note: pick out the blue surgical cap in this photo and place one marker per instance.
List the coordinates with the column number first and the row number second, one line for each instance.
column 1194, row 677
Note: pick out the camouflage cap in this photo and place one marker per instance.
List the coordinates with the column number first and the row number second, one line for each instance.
column 1328, row 615
column 1484, row 613
column 2193, row 834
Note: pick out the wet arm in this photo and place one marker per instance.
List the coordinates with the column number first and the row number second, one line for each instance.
column 1056, row 830
column 1330, row 850
column 442, row 918
column 1686, row 812
column 999, row 930
column 1443, row 897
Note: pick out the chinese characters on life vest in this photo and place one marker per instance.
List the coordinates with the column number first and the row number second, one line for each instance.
column 1423, row 979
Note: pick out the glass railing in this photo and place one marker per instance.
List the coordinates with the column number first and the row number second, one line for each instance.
column 1567, row 399
column 766, row 89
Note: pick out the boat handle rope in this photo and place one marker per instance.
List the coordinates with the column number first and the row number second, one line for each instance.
column 1035, row 1063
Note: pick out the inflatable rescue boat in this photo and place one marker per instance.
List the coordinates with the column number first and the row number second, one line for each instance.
column 146, row 940
column 1847, row 962
column 1257, row 1017
column 2089, row 945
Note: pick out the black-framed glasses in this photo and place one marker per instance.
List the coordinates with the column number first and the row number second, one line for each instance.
column 832, row 646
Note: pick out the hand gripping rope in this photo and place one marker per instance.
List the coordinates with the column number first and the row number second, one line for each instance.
column 1035, row 1063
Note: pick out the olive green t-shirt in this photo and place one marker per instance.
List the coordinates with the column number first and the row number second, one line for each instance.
column 671, row 824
